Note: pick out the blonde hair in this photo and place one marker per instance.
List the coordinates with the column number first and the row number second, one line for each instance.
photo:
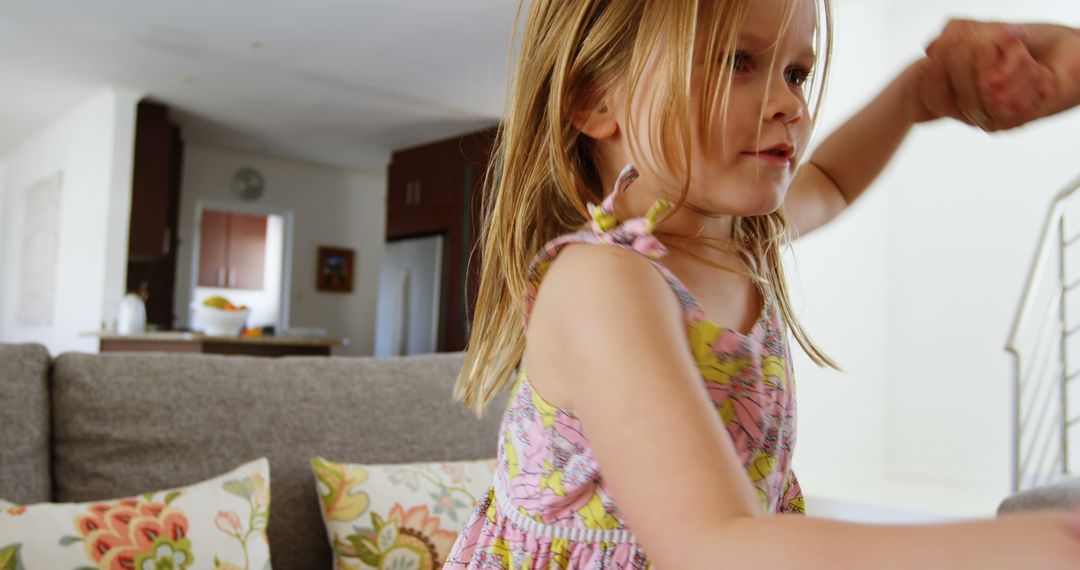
column 543, row 172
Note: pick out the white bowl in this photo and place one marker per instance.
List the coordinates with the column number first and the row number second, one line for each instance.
column 219, row 322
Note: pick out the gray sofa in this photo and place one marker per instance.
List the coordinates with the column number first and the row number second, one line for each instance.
column 1065, row 494
column 97, row 426
column 87, row 427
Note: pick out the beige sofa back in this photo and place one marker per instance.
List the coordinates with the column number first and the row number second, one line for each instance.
column 130, row 423
column 24, row 423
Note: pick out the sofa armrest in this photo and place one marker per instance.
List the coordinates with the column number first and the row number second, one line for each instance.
column 25, row 420
column 1063, row 495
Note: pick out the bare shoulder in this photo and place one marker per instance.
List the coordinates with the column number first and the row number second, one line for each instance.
column 587, row 283
column 597, row 303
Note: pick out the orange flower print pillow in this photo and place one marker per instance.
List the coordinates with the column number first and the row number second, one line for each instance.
column 397, row 516
column 220, row 523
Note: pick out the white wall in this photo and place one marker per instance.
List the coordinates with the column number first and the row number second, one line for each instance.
column 92, row 145
column 331, row 207
column 966, row 209
column 840, row 287
column 913, row 290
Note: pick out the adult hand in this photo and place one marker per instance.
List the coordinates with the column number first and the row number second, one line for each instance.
column 999, row 76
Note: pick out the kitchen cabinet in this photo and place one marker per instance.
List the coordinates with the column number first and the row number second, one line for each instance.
column 154, row 196
column 423, row 189
column 435, row 189
column 232, row 250
column 155, row 208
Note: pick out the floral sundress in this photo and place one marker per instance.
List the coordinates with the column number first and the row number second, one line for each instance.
column 549, row 506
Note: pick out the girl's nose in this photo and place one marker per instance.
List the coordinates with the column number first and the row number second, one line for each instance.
column 783, row 103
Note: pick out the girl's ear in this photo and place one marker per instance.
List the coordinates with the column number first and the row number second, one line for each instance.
column 596, row 122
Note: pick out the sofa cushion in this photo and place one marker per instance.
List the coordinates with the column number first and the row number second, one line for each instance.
column 1065, row 494
column 127, row 422
column 404, row 515
column 24, row 415
column 220, row 523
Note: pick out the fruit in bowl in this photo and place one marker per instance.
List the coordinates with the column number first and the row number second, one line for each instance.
column 216, row 316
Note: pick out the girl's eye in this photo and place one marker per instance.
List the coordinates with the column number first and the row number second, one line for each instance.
column 797, row 75
column 739, row 61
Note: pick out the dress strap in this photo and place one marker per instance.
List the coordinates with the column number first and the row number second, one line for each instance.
column 635, row 234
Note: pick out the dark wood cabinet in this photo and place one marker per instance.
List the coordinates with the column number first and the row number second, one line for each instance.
column 155, row 212
column 435, row 189
column 213, row 249
column 424, row 185
column 150, row 232
column 247, row 251
column 232, row 250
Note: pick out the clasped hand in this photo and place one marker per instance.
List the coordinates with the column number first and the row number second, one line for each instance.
column 996, row 76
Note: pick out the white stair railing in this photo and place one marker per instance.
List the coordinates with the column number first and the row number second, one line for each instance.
column 1045, row 344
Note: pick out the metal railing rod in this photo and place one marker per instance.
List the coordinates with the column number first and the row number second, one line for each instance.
column 1063, row 392
column 1038, row 258
column 1039, row 387
column 1041, row 423
column 1040, row 348
column 1033, row 421
column 1050, row 441
column 1050, row 474
column 1032, row 449
column 1048, row 312
column 1041, row 360
column 1035, row 398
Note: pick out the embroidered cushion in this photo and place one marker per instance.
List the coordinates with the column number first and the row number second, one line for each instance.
column 397, row 516
column 219, row 523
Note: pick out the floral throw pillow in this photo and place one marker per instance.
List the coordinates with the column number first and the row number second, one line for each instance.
column 219, row 523
column 397, row 516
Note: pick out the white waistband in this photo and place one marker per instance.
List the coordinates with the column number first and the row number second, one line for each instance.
column 544, row 530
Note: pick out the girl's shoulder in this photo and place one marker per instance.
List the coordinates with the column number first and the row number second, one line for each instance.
column 576, row 265
column 581, row 270
column 590, row 306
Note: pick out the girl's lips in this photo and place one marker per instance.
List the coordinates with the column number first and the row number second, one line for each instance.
column 770, row 158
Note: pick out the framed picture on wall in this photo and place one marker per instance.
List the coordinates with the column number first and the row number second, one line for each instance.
column 334, row 269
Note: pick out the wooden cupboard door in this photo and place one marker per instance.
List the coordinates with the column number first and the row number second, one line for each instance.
column 437, row 182
column 247, row 251
column 149, row 232
column 424, row 190
column 399, row 192
column 213, row 249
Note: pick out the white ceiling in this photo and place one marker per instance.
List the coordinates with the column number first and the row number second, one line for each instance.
column 340, row 82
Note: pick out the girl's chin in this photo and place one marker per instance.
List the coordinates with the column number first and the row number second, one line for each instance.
column 766, row 202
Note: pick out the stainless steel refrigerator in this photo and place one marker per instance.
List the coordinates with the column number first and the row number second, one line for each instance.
column 407, row 315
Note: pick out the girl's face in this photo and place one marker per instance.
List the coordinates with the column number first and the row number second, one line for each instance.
column 755, row 148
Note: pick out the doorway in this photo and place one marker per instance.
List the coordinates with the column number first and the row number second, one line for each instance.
column 243, row 252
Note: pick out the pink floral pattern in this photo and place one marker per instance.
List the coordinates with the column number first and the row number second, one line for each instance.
column 546, row 470
column 135, row 533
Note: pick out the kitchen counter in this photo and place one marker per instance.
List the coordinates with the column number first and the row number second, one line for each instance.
column 177, row 341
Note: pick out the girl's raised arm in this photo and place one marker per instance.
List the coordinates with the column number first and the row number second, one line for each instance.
column 993, row 76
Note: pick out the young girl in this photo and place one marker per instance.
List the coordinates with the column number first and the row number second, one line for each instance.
column 651, row 166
